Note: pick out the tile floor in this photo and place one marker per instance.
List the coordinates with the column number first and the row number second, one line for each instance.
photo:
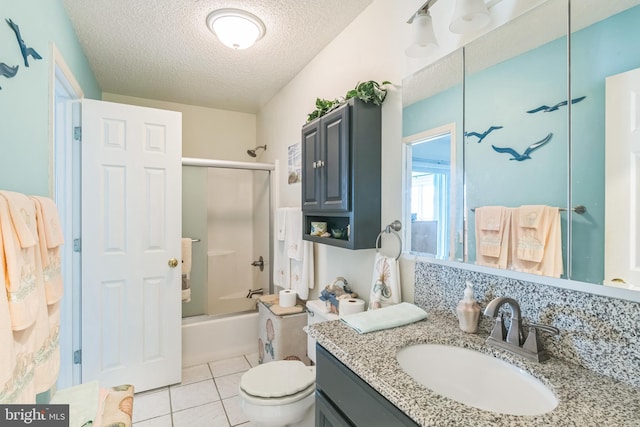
column 206, row 397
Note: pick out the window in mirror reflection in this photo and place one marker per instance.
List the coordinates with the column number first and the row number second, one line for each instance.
column 429, row 203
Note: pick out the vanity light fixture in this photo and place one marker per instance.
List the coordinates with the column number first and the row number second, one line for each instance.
column 424, row 40
column 236, row 28
column 469, row 16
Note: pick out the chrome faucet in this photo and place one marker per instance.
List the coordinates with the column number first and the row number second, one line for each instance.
column 514, row 339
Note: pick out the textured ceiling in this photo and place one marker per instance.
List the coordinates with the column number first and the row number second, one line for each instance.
column 162, row 49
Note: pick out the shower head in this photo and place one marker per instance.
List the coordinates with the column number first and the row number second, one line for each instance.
column 252, row 153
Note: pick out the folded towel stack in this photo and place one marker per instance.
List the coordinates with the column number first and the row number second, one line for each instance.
column 385, row 318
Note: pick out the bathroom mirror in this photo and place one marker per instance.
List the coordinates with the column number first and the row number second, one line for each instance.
column 516, row 81
column 432, row 123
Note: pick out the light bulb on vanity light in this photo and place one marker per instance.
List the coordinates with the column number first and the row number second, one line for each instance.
column 469, row 16
column 424, row 40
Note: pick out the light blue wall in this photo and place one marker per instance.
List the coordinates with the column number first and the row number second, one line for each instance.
column 499, row 96
column 24, row 99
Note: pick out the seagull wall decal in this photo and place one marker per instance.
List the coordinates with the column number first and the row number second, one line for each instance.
column 484, row 134
column 547, row 109
column 527, row 153
column 7, row 71
column 26, row 51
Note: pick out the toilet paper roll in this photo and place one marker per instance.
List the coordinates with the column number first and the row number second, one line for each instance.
column 287, row 298
column 350, row 306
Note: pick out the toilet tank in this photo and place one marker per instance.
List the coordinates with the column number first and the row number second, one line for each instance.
column 317, row 312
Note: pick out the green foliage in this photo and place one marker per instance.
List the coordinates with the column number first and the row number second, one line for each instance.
column 369, row 91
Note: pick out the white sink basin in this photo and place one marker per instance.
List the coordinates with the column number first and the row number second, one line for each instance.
column 476, row 379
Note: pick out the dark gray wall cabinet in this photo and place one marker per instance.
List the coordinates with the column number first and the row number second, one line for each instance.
column 341, row 164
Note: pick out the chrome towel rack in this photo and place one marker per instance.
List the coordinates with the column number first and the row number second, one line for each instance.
column 392, row 228
column 580, row 209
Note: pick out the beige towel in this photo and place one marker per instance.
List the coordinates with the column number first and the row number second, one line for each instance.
column 50, row 239
column 537, row 249
column 186, row 268
column 385, row 284
column 492, row 238
column 531, row 228
column 19, row 239
column 8, row 363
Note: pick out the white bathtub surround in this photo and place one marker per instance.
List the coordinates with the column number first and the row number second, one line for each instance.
column 207, row 338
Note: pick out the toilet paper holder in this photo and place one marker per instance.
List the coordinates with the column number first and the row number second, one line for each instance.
column 392, row 228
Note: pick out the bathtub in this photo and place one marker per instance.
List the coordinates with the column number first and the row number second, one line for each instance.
column 208, row 338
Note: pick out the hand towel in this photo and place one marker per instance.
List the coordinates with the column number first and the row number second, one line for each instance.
column 384, row 318
column 50, row 239
column 543, row 243
column 8, row 363
column 302, row 272
column 19, row 239
column 293, row 234
column 492, row 246
column 385, row 284
column 281, row 265
column 186, row 244
column 489, row 229
column 281, row 221
column 531, row 227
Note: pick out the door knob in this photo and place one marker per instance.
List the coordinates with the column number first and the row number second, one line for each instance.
column 173, row 263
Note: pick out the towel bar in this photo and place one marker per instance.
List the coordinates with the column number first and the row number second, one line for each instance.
column 394, row 227
column 580, row 209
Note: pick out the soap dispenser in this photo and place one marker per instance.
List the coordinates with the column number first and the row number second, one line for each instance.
column 468, row 311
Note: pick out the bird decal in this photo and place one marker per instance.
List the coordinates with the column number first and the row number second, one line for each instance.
column 527, row 153
column 484, row 134
column 7, row 71
column 547, row 109
column 26, row 51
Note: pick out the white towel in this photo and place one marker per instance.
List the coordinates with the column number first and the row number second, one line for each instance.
column 385, row 284
column 281, row 265
column 293, row 234
column 302, row 272
column 281, row 221
column 186, row 268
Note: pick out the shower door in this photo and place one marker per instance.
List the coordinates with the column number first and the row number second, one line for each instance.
column 228, row 211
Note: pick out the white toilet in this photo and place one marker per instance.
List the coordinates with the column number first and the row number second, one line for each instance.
column 282, row 393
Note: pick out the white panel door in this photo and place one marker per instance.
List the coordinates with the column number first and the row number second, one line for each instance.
column 622, row 204
column 131, row 229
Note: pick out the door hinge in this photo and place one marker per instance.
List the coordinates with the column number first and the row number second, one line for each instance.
column 77, row 133
column 77, row 246
column 77, row 357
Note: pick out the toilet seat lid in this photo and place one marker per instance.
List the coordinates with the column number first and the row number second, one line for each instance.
column 278, row 379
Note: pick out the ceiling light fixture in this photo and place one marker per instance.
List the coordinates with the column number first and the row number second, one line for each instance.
column 236, row 28
column 424, row 40
column 469, row 16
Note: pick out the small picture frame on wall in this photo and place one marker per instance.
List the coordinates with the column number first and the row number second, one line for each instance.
column 295, row 164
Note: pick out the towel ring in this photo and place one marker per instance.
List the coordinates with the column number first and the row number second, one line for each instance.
column 392, row 228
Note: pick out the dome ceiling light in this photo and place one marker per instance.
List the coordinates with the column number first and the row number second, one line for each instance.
column 236, row 28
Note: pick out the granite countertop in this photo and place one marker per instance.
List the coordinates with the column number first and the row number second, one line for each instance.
column 585, row 398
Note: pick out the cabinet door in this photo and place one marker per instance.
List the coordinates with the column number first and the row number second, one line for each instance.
column 327, row 415
column 310, row 172
column 334, row 169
